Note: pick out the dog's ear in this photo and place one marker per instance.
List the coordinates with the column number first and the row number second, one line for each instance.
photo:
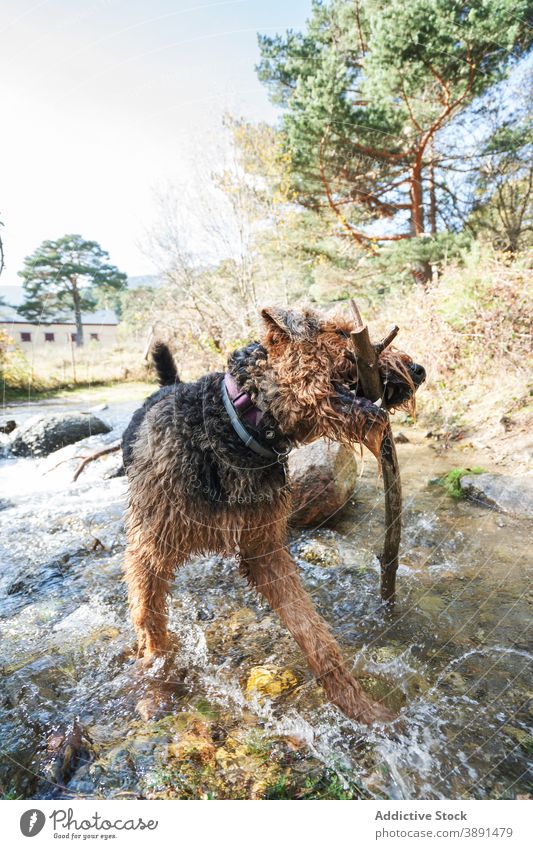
column 294, row 324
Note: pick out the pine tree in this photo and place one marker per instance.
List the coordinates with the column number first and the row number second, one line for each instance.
column 367, row 91
column 68, row 276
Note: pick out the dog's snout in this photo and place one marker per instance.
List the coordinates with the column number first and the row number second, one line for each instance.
column 418, row 373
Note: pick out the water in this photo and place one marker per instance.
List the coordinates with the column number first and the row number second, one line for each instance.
column 80, row 718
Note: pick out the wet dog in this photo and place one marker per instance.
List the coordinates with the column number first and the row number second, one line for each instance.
column 207, row 470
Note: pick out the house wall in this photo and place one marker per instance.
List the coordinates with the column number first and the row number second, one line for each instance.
column 62, row 333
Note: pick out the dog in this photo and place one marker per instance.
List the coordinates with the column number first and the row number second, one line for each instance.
column 207, row 470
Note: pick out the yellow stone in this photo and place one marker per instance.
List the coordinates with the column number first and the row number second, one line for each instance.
column 270, row 681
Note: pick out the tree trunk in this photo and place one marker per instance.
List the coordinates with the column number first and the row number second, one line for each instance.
column 432, row 190
column 417, row 207
column 77, row 316
column 422, row 269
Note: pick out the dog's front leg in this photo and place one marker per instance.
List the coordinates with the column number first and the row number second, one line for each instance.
column 275, row 576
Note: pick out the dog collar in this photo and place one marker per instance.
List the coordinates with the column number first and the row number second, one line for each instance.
column 240, row 408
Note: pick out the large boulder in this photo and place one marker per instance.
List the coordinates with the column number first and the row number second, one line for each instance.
column 512, row 495
column 323, row 477
column 41, row 435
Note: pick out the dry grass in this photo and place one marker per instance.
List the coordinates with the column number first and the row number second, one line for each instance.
column 472, row 332
column 52, row 370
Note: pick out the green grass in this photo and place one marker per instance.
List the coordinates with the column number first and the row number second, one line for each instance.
column 326, row 785
column 451, row 481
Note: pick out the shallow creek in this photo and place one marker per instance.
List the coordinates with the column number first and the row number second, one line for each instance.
column 79, row 718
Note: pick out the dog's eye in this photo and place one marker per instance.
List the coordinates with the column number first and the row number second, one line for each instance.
column 343, row 333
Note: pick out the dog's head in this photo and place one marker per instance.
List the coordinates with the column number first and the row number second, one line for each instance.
column 313, row 387
column 400, row 375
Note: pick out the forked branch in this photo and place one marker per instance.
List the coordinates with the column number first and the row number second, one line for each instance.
column 372, row 388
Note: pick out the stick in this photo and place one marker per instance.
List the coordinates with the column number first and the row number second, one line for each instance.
column 370, row 381
column 392, row 485
column 95, row 456
column 380, row 347
column 366, row 359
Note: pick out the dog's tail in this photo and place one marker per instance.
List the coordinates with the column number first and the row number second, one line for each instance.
column 167, row 372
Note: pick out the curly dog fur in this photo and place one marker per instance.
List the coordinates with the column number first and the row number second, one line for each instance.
column 195, row 488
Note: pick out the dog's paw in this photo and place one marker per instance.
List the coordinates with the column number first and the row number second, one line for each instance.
column 358, row 706
column 380, row 713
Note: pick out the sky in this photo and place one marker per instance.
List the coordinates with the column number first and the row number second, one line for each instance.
column 103, row 102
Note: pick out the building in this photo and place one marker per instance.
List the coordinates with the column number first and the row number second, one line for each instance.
column 99, row 328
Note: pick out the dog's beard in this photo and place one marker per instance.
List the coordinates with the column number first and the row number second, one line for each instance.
column 399, row 385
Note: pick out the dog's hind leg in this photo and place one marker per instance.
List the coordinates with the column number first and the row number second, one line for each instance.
column 275, row 575
column 148, row 575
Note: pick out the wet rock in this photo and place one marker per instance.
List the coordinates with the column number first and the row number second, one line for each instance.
column 320, row 554
column 41, row 435
column 159, row 696
column 520, row 736
column 240, row 620
column 432, row 605
column 386, row 654
column 510, row 494
column 270, row 681
column 387, row 692
column 195, row 744
column 323, row 478
column 65, row 752
column 16, row 587
column 456, row 681
column 117, row 470
column 8, row 426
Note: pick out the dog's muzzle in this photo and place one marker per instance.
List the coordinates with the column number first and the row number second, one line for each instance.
column 418, row 374
column 397, row 391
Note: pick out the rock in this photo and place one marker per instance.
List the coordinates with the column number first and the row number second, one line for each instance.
column 41, row 435
column 116, row 471
column 319, row 553
column 384, row 691
column 195, row 744
column 270, row 681
column 8, row 426
column 323, row 478
column 510, row 494
column 65, row 752
column 432, row 605
column 521, row 736
column 400, row 438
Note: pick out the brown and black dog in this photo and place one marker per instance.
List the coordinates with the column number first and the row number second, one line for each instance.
column 206, row 464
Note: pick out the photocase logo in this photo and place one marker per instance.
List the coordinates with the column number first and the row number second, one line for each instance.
column 32, row 822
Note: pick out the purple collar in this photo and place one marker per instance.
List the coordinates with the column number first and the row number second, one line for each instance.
column 243, row 404
column 242, row 411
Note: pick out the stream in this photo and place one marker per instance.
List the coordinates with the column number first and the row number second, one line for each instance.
column 80, row 718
